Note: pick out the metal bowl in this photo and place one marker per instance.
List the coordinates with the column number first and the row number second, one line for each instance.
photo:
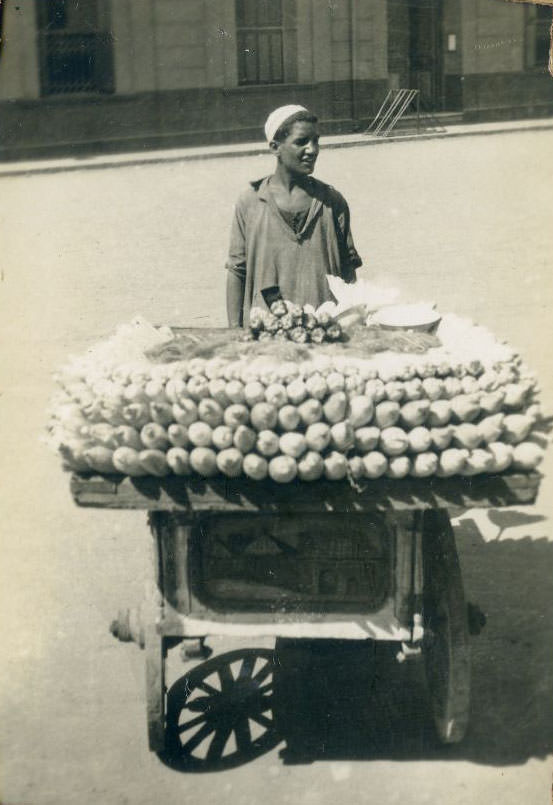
column 425, row 321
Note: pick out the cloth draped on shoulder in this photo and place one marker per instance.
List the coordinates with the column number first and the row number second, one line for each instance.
column 265, row 251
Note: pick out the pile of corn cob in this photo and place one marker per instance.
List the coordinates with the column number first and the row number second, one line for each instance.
column 444, row 413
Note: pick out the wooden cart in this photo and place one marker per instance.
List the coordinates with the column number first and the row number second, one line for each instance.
column 304, row 560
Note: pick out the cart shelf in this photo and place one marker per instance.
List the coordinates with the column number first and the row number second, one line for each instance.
column 194, row 494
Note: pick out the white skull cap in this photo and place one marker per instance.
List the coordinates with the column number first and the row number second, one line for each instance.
column 280, row 116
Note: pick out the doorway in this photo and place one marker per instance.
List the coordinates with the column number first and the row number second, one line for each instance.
column 415, row 58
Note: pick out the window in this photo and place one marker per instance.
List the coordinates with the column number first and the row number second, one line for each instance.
column 538, row 35
column 261, row 41
column 75, row 47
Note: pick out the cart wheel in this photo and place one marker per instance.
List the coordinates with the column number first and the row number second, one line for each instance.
column 446, row 647
column 155, row 647
column 220, row 714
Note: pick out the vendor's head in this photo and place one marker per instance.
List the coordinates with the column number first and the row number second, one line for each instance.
column 292, row 134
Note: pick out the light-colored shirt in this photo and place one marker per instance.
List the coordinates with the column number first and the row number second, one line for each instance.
column 265, row 251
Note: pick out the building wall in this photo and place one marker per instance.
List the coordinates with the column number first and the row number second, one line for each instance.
column 371, row 35
column 453, row 56
column 341, row 52
column 176, row 73
column 307, row 44
column 453, row 24
column 164, row 45
column 496, row 83
column 134, row 54
column 179, row 44
column 19, row 76
column 398, row 44
column 493, row 36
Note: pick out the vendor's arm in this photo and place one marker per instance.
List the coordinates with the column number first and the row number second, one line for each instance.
column 235, row 299
column 349, row 257
column 236, row 268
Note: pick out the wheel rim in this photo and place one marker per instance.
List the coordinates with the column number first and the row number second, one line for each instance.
column 221, row 714
column 446, row 645
column 447, row 668
column 438, row 663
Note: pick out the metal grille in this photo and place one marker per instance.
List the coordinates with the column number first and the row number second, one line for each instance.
column 70, row 62
column 260, row 41
column 75, row 47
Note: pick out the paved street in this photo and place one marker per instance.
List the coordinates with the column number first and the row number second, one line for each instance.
column 465, row 222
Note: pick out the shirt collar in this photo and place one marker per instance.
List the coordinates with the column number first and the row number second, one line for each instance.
column 261, row 186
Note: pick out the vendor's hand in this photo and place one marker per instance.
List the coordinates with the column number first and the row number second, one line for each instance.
column 350, row 277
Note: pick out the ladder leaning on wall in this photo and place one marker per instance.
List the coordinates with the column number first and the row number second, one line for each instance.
column 395, row 105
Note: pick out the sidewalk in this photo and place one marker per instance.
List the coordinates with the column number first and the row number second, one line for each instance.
column 250, row 149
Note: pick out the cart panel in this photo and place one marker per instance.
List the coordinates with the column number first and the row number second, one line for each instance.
column 272, row 569
column 323, row 563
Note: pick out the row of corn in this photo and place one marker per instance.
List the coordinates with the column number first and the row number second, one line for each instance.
column 324, row 418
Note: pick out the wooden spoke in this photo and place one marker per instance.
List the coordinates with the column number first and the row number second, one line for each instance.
column 263, row 673
column 263, row 720
column 196, row 739
column 217, row 745
column 207, row 688
column 247, row 667
column 200, row 704
column 243, row 735
column 266, row 688
column 187, row 725
column 226, row 677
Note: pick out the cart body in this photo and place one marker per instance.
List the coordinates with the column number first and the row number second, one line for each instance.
column 308, row 560
column 296, row 560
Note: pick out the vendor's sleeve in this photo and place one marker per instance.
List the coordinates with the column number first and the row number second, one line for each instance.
column 349, row 258
column 236, row 260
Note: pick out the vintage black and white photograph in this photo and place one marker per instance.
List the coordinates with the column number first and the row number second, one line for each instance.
column 276, row 402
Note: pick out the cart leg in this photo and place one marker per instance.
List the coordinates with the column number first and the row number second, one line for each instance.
column 154, row 643
column 446, row 647
column 155, row 651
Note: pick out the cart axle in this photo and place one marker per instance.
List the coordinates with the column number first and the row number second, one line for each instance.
column 128, row 626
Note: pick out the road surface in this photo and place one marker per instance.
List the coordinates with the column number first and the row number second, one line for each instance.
column 465, row 222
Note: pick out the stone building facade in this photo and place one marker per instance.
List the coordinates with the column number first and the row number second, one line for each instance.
column 125, row 74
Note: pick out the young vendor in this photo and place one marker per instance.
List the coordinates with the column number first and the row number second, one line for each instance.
column 289, row 229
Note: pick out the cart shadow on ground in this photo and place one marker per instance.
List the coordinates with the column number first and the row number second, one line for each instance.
column 352, row 700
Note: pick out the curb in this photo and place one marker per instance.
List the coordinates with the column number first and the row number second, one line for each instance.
column 256, row 149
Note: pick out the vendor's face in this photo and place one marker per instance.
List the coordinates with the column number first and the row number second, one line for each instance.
column 299, row 151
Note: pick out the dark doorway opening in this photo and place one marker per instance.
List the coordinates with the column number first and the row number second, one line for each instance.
column 415, row 52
